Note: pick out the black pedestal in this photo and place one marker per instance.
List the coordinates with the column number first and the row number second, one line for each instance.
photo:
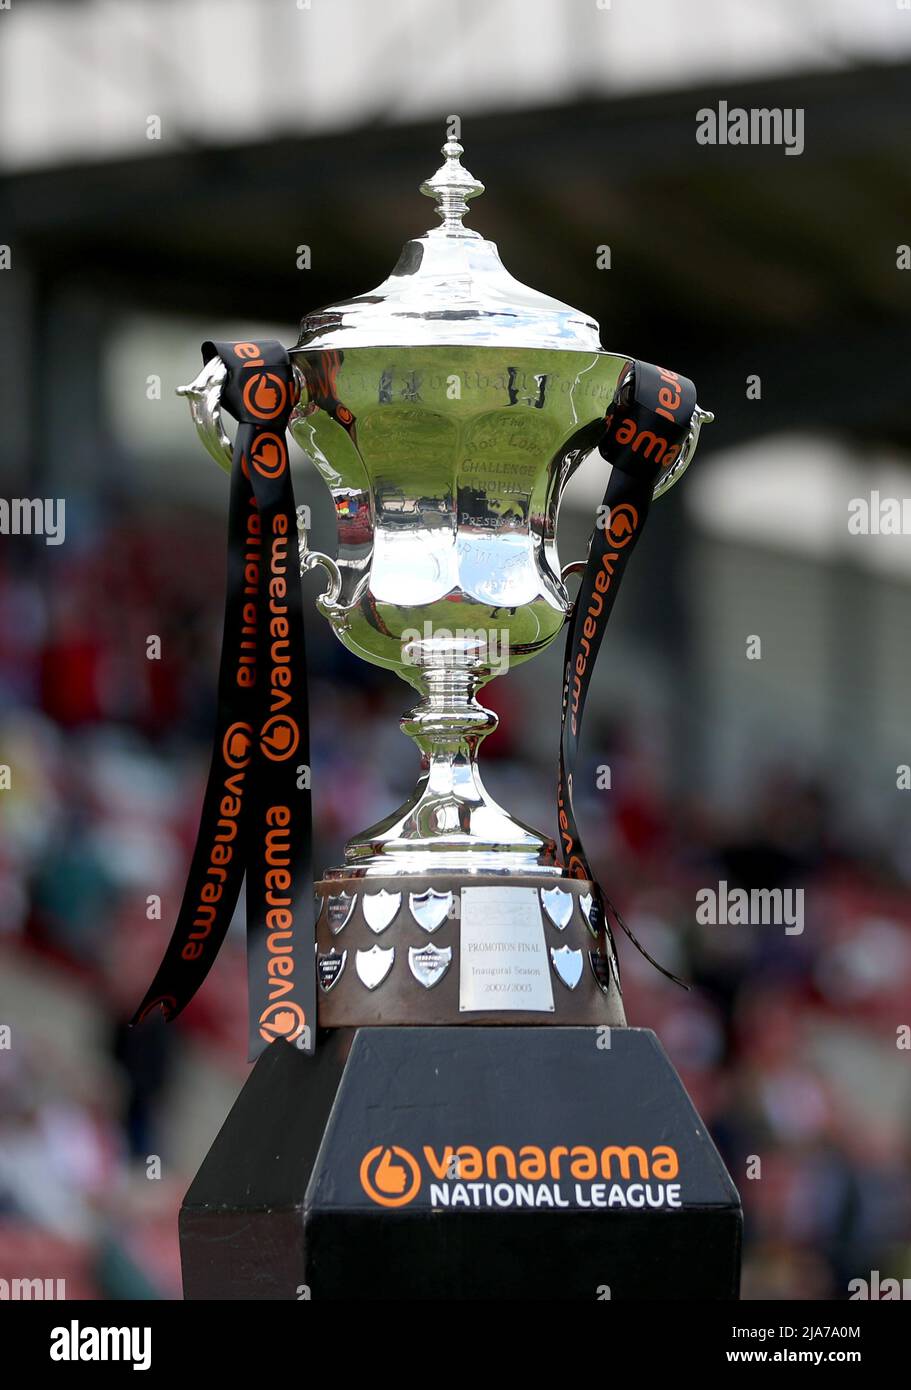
column 494, row 1163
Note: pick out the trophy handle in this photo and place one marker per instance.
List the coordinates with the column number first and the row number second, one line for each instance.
column 574, row 567
column 204, row 395
column 327, row 601
column 667, row 480
column 676, row 471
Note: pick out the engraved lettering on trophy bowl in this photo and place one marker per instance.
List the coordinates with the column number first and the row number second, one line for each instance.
column 429, row 963
column 430, row 908
column 381, row 909
column 374, row 965
column 503, row 955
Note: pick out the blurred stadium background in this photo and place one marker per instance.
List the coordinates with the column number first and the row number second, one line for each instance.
column 285, row 124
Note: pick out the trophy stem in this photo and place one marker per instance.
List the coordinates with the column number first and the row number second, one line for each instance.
column 450, row 822
column 449, row 723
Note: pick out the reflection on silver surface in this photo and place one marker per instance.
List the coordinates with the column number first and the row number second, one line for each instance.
column 374, row 965
column 430, row 909
column 558, row 904
column 310, row 559
column 339, row 907
column 568, row 964
column 428, row 964
column 676, row 471
column 204, row 396
column 591, row 912
column 380, row 909
column 450, row 286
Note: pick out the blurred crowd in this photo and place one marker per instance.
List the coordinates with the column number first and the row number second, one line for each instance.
column 789, row 1043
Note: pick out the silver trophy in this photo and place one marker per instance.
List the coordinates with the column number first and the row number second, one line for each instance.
column 446, row 411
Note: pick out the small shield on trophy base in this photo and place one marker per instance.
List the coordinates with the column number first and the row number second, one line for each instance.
column 568, row 965
column 329, row 967
column 429, row 963
column 600, row 969
column 339, row 909
column 381, row 909
column 374, row 965
column 558, row 904
column 430, row 909
column 591, row 912
column 614, row 965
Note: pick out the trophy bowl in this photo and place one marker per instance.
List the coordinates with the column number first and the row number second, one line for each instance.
column 447, row 476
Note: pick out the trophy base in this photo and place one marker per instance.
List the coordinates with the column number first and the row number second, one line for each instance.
column 491, row 1163
column 434, row 950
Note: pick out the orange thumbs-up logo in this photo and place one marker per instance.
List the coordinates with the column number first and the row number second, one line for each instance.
column 622, row 524
column 236, row 743
column 265, row 395
column 282, row 1020
column 279, row 737
column 269, row 455
column 390, row 1176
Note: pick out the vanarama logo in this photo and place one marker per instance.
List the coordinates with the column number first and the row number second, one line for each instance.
column 235, row 751
column 575, row 865
column 282, row 1017
column 646, row 442
column 265, row 395
column 279, row 737
column 278, row 740
column 390, row 1175
column 530, row 1176
column 236, row 745
column 669, row 403
column 269, row 455
column 621, row 524
column 282, row 1020
column 595, row 609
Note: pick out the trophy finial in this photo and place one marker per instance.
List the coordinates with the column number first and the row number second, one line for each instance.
column 452, row 186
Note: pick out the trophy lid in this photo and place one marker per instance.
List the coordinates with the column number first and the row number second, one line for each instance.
column 450, row 288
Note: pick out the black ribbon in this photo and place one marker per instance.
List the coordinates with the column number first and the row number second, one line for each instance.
column 256, row 814
column 646, row 428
